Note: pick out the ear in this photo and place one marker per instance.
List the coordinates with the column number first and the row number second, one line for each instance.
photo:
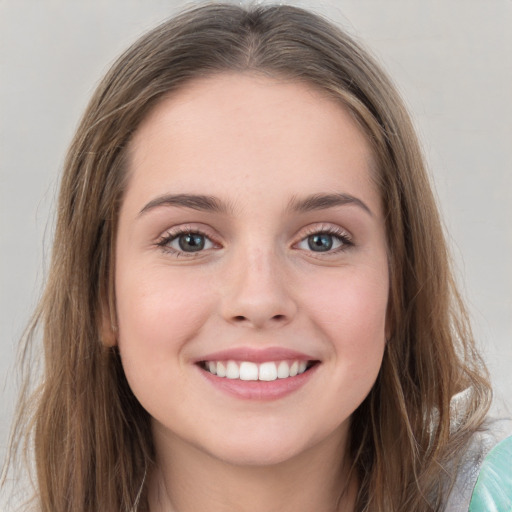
column 388, row 332
column 389, row 327
column 107, row 327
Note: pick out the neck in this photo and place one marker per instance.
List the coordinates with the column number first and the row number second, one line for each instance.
column 187, row 479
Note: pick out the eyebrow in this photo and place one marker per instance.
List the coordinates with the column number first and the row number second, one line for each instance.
column 324, row 201
column 213, row 204
column 193, row 201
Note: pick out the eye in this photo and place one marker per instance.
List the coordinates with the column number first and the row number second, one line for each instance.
column 321, row 242
column 331, row 240
column 185, row 242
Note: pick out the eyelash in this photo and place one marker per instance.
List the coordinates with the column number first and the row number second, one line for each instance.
column 170, row 236
column 173, row 234
column 336, row 232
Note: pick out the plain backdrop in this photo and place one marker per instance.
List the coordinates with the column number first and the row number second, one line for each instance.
column 451, row 59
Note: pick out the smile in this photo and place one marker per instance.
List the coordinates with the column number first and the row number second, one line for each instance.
column 252, row 371
column 261, row 374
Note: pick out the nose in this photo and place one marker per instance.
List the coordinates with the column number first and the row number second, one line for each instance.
column 257, row 293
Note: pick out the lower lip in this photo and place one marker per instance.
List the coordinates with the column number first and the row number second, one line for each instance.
column 259, row 389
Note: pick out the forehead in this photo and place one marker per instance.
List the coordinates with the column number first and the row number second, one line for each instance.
column 247, row 129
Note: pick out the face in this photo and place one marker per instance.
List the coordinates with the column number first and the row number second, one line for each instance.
column 251, row 269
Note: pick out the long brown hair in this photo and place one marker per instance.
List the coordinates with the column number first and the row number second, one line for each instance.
column 91, row 438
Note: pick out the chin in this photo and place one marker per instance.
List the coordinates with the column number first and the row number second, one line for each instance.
column 263, row 447
column 257, row 455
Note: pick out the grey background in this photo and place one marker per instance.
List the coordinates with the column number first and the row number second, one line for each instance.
column 450, row 58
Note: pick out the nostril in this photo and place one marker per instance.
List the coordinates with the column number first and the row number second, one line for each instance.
column 259, row 320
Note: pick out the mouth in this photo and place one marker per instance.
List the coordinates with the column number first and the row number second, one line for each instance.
column 261, row 374
column 266, row 371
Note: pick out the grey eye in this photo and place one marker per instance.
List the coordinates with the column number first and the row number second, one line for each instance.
column 320, row 242
column 190, row 242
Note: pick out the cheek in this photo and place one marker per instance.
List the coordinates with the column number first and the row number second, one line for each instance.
column 351, row 313
column 158, row 312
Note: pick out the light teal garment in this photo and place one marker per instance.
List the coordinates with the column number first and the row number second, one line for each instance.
column 461, row 480
column 493, row 489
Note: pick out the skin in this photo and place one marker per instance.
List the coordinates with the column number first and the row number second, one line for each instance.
column 258, row 145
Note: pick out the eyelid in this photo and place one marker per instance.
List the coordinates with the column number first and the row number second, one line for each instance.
column 327, row 228
column 318, row 228
column 174, row 232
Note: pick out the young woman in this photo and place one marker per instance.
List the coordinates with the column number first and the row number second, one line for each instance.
column 250, row 304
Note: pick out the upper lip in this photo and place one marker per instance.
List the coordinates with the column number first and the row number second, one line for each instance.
column 256, row 355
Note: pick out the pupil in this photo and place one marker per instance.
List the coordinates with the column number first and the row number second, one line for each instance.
column 320, row 242
column 191, row 242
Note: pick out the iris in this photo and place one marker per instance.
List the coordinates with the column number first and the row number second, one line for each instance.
column 320, row 242
column 191, row 242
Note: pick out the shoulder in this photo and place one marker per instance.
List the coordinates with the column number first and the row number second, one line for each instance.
column 484, row 473
column 493, row 488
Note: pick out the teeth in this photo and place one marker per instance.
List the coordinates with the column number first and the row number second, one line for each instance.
column 283, row 370
column 232, row 371
column 247, row 370
column 268, row 371
column 221, row 369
